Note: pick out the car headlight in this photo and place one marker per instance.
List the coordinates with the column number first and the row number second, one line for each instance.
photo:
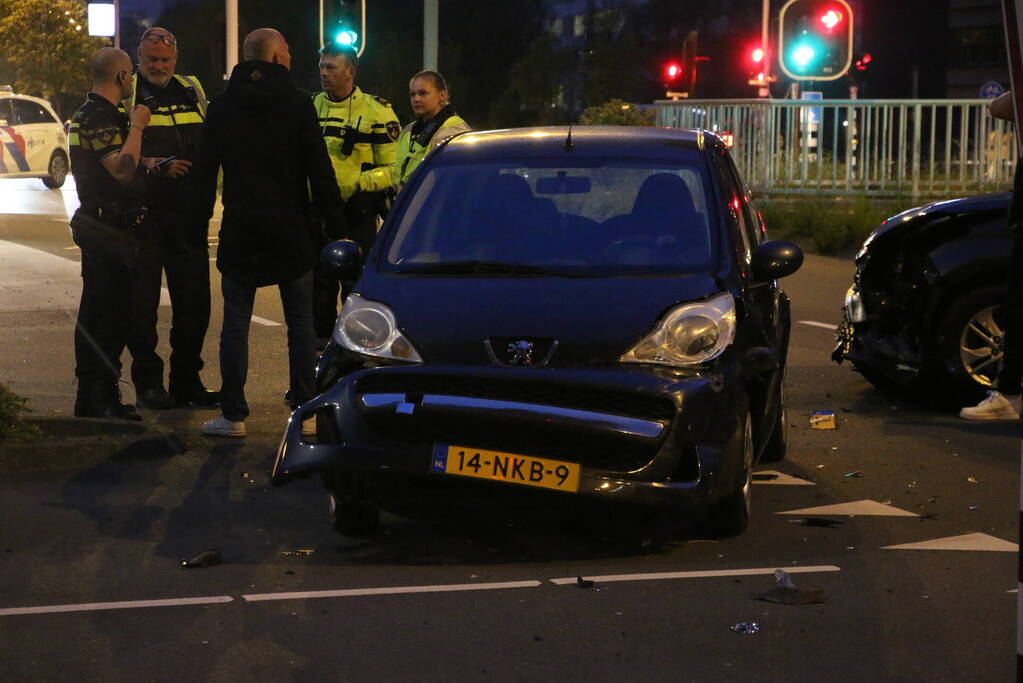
column 368, row 327
column 854, row 306
column 689, row 334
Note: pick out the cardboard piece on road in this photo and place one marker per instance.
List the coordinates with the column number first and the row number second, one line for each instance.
column 775, row 478
column 856, row 508
column 974, row 541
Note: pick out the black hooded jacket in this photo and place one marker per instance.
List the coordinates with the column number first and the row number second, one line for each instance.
column 264, row 133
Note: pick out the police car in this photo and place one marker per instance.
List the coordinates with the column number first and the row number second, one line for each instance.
column 33, row 143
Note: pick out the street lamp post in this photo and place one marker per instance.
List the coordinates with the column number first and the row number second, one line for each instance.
column 430, row 28
column 231, row 37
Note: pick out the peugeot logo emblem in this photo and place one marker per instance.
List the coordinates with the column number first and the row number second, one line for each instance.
column 520, row 353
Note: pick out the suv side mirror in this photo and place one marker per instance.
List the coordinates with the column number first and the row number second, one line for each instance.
column 342, row 260
column 775, row 260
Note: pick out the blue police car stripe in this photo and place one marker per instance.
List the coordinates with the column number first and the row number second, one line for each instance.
column 19, row 158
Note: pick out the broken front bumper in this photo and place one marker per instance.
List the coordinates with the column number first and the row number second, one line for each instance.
column 649, row 436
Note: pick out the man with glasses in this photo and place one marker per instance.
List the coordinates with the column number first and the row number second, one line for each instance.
column 105, row 149
column 170, row 240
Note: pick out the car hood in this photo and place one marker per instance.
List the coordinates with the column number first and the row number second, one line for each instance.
column 950, row 207
column 593, row 320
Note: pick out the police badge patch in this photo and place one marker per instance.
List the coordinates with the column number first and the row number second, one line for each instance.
column 107, row 134
column 393, row 129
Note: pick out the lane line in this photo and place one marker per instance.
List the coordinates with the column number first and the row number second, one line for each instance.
column 814, row 323
column 129, row 604
column 764, row 571
column 263, row 321
column 393, row 590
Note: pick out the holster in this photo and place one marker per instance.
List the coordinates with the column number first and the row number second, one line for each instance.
column 106, row 233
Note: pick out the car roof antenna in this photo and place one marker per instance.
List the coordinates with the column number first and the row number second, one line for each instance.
column 568, row 140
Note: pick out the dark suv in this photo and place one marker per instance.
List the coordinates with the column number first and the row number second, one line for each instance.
column 591, row 312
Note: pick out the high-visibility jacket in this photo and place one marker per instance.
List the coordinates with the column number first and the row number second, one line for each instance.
column 177, row 114
column 416, row 141
column 359, row 131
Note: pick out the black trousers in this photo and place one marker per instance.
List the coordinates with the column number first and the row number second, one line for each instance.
column 167, row 243
column 1009, row 377
column 361, row 216
column 103, row 324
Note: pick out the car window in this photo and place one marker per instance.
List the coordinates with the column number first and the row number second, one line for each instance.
column 28, row 112
column 750, row 217
column 594, row 216
column 6, row 113
column 731, row 195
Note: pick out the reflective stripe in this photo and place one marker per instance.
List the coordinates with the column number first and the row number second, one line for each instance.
column 72, row 139
column 176, row 119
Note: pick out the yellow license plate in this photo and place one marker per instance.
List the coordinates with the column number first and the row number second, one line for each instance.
column 509, row 467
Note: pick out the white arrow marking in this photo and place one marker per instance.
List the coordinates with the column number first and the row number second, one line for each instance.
column 974, row 541
column 859, row 507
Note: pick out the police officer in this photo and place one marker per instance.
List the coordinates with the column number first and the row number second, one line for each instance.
column 105, row 154
column 436, row 120
column 169, row 240
column 359, row 130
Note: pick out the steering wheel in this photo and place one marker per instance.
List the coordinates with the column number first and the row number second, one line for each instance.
column 619, row 250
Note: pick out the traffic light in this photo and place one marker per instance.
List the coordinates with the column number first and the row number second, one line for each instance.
column 672, row 76
column 815, row 39
column 756, row 62
column 344, row 23
column 863, row 62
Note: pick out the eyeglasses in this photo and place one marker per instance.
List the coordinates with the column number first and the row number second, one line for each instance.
column 164, row 38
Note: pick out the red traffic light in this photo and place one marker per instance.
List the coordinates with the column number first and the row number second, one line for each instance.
column 757, row 55
column 863, row 63
column 831, row 19
column 672, row 71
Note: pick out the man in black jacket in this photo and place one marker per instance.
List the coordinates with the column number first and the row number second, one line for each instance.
column 264, row 133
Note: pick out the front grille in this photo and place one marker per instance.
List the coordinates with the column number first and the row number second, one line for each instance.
column 540, row 393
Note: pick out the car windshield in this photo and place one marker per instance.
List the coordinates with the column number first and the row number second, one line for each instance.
column 542, row 217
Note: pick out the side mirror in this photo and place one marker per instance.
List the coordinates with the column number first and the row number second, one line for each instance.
column 775, row 260
column 342, row 260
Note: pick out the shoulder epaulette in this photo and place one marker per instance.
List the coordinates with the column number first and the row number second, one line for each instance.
column 381, row 100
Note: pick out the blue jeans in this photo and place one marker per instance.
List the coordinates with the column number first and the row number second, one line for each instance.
column 297, row 300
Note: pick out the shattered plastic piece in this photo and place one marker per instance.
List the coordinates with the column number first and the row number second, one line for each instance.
column 580, row 582
column 974, row 480
column 300, row 551
column 206, row 558
column 911, row 485
column 821, row 522
column 820, row 467
column 786, row 593
column 853, row 475
column 747, row 627
column 974, row 507
column 823, row 419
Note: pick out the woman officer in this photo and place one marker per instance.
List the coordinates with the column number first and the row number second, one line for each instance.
column 436, row 121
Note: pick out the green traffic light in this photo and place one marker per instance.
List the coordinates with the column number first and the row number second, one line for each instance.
column 346, row 37
column 803, row 55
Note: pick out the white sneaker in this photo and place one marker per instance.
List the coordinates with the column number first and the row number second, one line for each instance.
column 224, row 427
column 996, row 406
column 309, row 426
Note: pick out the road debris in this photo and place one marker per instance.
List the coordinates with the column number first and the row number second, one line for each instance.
column 974, row 508
column 206, row 558
column 823, row 419
column 853, row 475
column 821, row 522
column 298, row 551
column 747, row 627
column 786, row 593
column 974, row 480
column 580, row 582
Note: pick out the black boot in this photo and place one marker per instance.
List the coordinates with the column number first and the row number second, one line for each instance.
column 104, row 402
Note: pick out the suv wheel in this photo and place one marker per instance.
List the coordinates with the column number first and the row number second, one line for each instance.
column 57, row 170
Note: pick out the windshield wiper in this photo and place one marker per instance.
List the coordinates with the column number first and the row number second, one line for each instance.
column 483, row 268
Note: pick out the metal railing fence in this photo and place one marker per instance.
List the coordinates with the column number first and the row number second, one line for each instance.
column 911, row 148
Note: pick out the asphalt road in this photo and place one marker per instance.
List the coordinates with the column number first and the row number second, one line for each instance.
column 91, row 586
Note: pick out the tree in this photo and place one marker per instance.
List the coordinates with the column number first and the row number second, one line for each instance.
column 616, row 113
column 536, row 84
column 47, row 49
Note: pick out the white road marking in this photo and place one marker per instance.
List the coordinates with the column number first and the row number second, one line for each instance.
column 765, row 571
column 779, row 479
column 814, row 323
column 391, row 590
column 859, row 507
column 974, row 541
column 129, row 604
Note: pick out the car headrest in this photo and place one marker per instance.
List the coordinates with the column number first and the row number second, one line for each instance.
column 664, row 193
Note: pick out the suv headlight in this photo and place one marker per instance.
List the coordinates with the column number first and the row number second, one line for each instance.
column 368, row 327
column 689, row 334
